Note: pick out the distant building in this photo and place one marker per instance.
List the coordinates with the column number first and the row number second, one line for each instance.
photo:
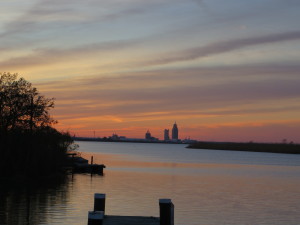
column 188, row 141
column 166, row 135
column 148, row 135
column 115, row 137
column 175, row 132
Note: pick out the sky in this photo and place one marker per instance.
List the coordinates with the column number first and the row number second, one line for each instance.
column 223, row 70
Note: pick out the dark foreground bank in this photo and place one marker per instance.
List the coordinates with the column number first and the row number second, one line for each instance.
column 250, row 147
column 40, row 153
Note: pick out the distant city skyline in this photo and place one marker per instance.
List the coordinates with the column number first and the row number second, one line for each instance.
column 147, row 135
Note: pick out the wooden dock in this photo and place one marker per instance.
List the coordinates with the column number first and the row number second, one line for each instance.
column 130, row 220
column 81, row 165
column 98, row 217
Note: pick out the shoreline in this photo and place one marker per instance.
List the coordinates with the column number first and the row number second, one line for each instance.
column 129, row 141
column 249, row 147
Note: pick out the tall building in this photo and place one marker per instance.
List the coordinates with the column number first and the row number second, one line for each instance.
column 148, row 135
column 166, row 135
column 175, row 132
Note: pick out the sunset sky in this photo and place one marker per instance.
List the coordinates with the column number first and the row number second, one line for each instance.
column 223, row 70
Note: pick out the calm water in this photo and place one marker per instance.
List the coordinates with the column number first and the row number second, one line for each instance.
column 206, row 186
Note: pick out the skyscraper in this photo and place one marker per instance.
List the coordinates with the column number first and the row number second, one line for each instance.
column 148, row 135
column 175, row 132
column 166, row 135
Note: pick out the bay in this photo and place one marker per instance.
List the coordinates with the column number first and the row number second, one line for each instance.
column 206, row 186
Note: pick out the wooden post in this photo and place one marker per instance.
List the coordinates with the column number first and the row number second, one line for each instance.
column 166, row 211
column 95, row 218
column 92, row 160
column 99, row 202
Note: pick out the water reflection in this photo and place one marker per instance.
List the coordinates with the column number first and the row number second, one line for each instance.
column 203, row 193
column 29, row 203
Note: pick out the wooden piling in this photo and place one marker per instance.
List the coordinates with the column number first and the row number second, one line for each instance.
column 99, row 202
column 166, row 211
column 98, row 217
column 95, row 218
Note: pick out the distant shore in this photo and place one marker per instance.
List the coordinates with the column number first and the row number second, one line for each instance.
column 132, row 140
column 249, row 147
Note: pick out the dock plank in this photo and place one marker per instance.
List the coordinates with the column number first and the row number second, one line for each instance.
column 130, row 220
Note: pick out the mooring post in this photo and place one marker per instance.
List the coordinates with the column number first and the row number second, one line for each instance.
column 166, row 211
column 95, row 218
column 99, row 202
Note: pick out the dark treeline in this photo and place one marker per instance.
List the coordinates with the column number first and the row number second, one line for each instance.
column 250, row 146
column 29, row 145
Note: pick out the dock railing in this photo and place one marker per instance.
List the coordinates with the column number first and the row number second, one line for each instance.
column 98, row 217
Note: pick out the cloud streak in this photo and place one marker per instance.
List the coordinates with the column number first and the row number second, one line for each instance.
column 77, row 13
column 45, row 56
column 50, row 56
column 125, row 97
column 224, row 47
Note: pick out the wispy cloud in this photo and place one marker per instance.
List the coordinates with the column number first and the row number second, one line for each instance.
column 223, row 47
column 50, row 56
column 67, row 13
column 217, row 92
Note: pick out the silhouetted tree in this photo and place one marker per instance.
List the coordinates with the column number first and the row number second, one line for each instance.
column 29, row 145
column 21, row 105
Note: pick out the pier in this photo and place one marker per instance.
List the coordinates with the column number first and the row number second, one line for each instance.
column 81, row 165
column 98, row 217
column 126, row 220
